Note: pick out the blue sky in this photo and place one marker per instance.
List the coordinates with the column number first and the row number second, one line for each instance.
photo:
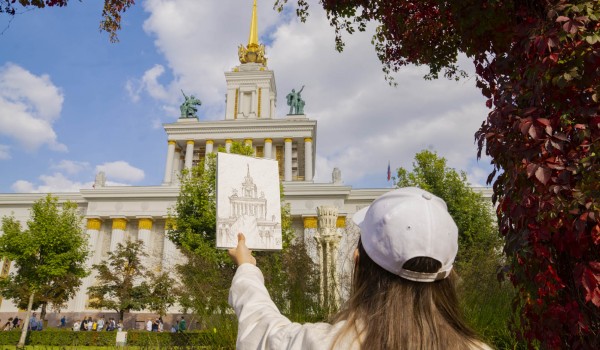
column 72, row 103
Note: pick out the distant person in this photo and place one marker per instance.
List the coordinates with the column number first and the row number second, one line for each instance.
column 149, row 325
column 33, row 323
column 120, row 326
column 83, row 326
column 101, row 323
column 76, row 326
column 15, row 322
column 161, row 325
column 63, row 322
column 182, row 325
column 402, row 296
column 8, row 325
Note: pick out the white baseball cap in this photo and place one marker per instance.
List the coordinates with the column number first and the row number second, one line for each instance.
column 407, row 223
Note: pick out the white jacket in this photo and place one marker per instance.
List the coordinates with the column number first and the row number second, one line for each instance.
column 262, row 326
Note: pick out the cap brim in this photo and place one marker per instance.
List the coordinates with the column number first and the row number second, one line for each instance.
column 359, row 216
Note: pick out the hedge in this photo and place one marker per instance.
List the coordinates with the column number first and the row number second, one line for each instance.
column 55, row 337
column 143, row 339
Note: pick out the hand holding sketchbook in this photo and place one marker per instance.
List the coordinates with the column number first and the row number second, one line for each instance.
column 248, row 202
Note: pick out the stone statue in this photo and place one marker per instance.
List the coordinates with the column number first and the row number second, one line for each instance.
column 188, row 107
column 100, row 180
column 336, row 176
column 295, row 101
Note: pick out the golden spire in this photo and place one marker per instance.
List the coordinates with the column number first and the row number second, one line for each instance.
column 253, row 37
column 254, row 52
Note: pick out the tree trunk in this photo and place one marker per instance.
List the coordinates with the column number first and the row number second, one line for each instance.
column 43, row 312
column 26, row 323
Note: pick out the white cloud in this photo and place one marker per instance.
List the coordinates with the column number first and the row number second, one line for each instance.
column 71, row 166
column 362, row 122
column 4, row 152
column 54, row 183
column 121, row 170
column 29, row 104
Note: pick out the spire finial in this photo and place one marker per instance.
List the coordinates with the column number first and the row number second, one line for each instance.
column 254, row 52
column 253, row 37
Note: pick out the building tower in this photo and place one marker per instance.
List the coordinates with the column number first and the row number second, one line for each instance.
column 249, row 118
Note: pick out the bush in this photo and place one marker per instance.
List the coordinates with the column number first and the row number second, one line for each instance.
column 205, row 338
column 65, row 337
column 10, row 337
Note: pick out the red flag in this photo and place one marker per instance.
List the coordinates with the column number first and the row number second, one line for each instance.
column 389, row 173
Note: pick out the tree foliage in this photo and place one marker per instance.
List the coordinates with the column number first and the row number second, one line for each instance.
column 111, row 12
column 207, row 275
column 471, row 212
column 536, row 62
column 49, row 253
column 121, row 281
column 162, row 293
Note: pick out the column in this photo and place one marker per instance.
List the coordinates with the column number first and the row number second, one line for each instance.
column 268, row 151
column 287, row 158
column 189, row 154
column 119, row 224
column 308, row 171
column 169, row 256
column 209, row 147
column 169, row 165
column 328, row 239
column 92, row 231
column 177, row 165
column 144, row 235
column 228, row 143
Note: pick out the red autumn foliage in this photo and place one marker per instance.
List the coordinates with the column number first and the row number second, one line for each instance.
column 538, row 64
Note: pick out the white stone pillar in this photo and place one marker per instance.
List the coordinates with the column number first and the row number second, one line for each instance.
column 119, row 224
column 268, row 151
column 228, row 143
column 169, row 166
column 308, row 149
column 170, row 252
column 144, row 235
column 189, row 154
column 177, row 165
column 287, row 174
column 209, row 147
column 92, row 231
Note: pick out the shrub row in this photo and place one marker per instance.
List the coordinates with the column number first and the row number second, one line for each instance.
column 55, row 337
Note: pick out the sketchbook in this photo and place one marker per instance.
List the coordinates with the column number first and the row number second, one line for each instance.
column 248, row 202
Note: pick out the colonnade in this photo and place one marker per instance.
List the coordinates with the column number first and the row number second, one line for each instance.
column 118, row 234
column 175, row 157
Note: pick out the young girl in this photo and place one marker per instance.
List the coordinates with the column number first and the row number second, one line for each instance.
column 402, row 297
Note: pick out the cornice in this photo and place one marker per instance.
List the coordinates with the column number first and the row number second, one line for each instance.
column 308, row 189
column 28, row 198
column 132, row 192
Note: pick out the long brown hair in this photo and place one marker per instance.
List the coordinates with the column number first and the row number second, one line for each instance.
column 386, row 311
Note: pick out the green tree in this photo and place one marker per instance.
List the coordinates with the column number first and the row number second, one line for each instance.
column 121, row 282
column 52, row 249
column 162, row 293
column 471, row 212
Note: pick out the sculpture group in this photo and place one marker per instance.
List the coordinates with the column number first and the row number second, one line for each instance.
column 295, row 101
column 188, row 107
